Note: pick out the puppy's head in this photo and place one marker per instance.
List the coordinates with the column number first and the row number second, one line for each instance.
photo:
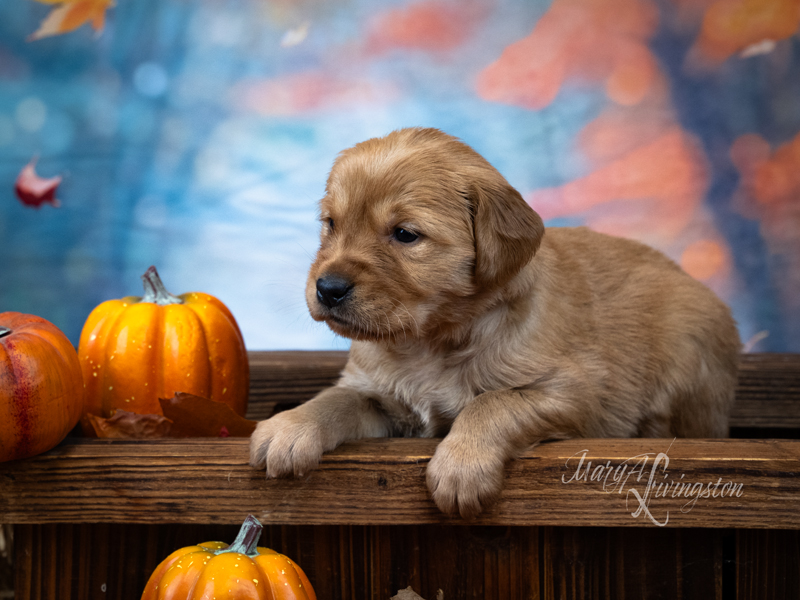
column 414, row 224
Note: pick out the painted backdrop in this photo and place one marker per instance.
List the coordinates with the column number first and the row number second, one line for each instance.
column 196, row 135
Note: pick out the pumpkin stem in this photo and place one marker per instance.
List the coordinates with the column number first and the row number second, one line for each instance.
column 154, row 290
column 246, row 541
column 4, row 331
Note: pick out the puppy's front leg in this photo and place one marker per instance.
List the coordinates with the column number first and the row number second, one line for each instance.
column 466, row 471
column 292, row 442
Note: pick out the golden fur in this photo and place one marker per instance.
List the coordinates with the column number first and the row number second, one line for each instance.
column 489, row 332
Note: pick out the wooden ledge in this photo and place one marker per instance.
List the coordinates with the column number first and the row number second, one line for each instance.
column 767, row 397
column 741, row 484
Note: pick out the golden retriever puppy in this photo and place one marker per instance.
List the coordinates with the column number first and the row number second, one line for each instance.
column 470, row 322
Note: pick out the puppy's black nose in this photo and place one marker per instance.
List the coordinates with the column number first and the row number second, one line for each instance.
column 332, row 290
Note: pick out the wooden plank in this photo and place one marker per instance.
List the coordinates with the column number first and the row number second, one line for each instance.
column 768, row 394
column 767, row 564
column 6, row 561
column 281, row 380
column 382, row 481
column 610, row 563
column 109, row 561
column 372, row 562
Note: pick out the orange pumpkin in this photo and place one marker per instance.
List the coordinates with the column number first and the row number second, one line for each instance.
column 41, row 387
column 134, row 351
column 242, row 571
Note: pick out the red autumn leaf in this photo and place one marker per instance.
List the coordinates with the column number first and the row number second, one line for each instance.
column 124, row 424
column 33, row 190
column 195, row 416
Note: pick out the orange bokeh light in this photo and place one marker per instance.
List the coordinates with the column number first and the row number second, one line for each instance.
column 428, row 25
column 588, row 40
column 771, row 179
column 704, row 259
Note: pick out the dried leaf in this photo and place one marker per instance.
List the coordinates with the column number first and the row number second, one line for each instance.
column 185, row 415
column 195, row 416
column 295, row 36
column 71, row 15
column 33, row 190
column 124, row 424
column 410, row 594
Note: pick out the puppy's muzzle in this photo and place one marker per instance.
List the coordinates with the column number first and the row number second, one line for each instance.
column 332, row 290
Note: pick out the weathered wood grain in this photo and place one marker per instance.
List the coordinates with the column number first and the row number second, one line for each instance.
column 113, row 561
column 382, row 481
column 87, row 562
column 95, row 517
column 280, row 380
column 768, row 394
column 768, row 564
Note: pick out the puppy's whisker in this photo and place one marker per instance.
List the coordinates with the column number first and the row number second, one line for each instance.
column 402, row 325
column 388, row 324
column 413, row 319
column 389, row 328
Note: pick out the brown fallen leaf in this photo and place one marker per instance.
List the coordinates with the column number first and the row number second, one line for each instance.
column 125, row 424
column 195, row 416
column 410, row 594
column 185, row 415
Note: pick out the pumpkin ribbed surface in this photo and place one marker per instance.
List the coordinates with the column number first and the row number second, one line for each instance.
column 212, row 570
column 134, row 351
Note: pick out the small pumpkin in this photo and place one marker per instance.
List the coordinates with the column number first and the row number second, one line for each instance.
column 242, row 571
column 41, row 387
column 135, row 350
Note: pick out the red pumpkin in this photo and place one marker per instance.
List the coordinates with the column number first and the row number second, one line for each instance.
column 41, row 387
column 241, row 571
column 134, row 351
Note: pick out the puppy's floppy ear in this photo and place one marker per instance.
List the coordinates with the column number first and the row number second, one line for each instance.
column 507, row 230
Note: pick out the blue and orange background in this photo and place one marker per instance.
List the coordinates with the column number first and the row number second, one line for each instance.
column 196, row 135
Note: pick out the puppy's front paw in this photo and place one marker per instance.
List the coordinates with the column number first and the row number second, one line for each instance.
column 463, row 478
column 286, row 445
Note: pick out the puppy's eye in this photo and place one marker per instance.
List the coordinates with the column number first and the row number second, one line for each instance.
column 330, row 224
column 404, row 235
